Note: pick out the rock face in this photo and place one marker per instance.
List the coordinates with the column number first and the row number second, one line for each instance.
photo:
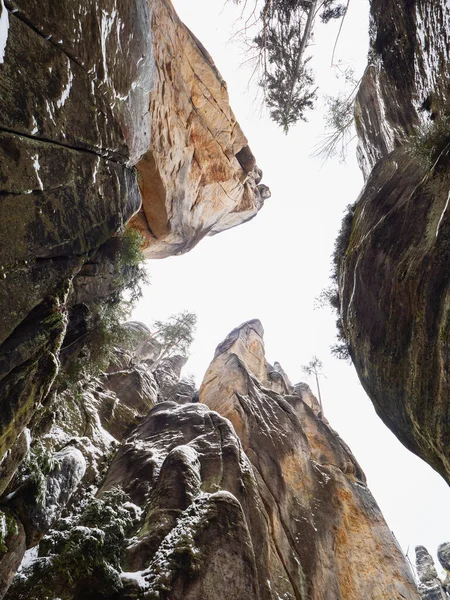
column 67, row 142
column 115, row 84
column 431, row 587
column 247, row 493
column 199, row 176
column 123, row 485
column 313, row 496
column 394, row 283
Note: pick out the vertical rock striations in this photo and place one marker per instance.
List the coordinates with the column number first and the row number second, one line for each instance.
column 393, row 275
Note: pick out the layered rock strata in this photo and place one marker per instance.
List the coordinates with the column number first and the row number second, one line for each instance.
column 393, row 253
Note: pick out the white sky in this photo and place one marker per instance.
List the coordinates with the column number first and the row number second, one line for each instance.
column 273, row 268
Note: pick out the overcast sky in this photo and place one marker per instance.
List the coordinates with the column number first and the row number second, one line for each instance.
column 273, row 268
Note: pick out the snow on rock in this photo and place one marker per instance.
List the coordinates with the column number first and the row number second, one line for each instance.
column 37, row 168
column 430, row 586
column 4, row 28
column 66, row 90
column 40, row 513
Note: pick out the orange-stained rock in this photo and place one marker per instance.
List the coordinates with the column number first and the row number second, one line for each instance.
column 326, row 527
column 199, row 176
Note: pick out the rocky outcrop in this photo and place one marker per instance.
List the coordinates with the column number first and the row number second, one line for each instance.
column 115, row 84
column 66, row 181
column 199, row 176
column 431, row 587
column 245, row 493
column 313, row 494
column 394, row 284
column 75, row 439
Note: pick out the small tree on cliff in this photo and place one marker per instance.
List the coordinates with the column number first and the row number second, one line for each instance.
column 175, row 335
column 313, row 368
column 278, row 33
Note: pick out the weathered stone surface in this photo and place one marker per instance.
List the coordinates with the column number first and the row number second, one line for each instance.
column 313, row 492
column 393, row 274
column 38, row 514
column 72, row 124
column 405, row 82
column 12, row 547
column 28, row 366
column 66, row 143
column 267, row 503
column 171, row 386
column 82, row 92
column 199, row 176
column 135, row 388
column 443, row 554
column 12, row 459
column 430, row 586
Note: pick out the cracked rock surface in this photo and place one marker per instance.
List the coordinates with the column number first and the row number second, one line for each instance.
column 248, row 492
column 393, row 275
column 121, row 108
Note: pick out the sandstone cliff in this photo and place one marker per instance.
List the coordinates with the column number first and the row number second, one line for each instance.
column 199, row 176
column 393, row 253
column 119, row 108
column 248, row 493
column 122, row 486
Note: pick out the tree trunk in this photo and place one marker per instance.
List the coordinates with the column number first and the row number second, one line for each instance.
column 306, row 35
column 318, row 392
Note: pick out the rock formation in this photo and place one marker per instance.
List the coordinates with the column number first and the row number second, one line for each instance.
column 121, row 108
column 124, row 482
column 199, row 176
column 431, row 587
column 393, row 253
column 247, row 493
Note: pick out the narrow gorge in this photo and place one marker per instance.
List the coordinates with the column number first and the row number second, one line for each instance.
column 119, row 479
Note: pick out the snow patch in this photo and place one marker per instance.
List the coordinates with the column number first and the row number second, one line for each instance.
column 94, row 175
column 137, row 576
column 107, row 23
column 29, row 557
column 131, row 507
column 35, row 127
column 443, row 213
column 50, row 111
column 27, row 435
column 37, row 167
column 354, row 286
column 4, row 29
column 66, row 91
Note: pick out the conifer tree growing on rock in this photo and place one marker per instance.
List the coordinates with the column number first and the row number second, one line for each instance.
column 284, row 32
column 313, row 368
column 175, row 335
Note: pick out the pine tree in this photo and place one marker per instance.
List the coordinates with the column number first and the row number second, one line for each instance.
column 175, row 335
column 285, row 29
